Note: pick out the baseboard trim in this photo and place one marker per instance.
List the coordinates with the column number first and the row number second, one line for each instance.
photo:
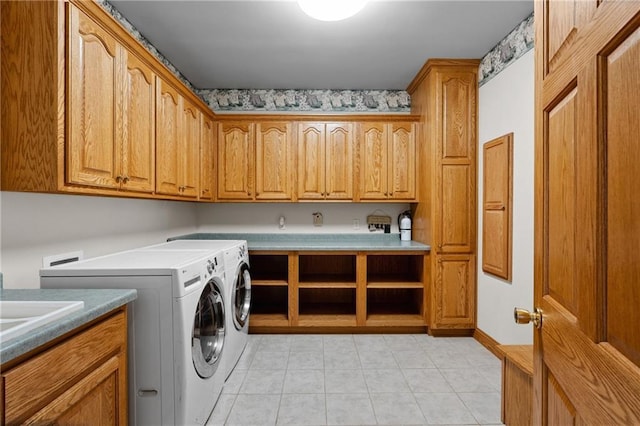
column 488, row 342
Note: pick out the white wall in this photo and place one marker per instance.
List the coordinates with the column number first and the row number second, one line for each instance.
column 37, row 225
column 263, row 217
column 506, row 104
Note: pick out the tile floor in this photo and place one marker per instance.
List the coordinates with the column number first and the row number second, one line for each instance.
column 405, row 379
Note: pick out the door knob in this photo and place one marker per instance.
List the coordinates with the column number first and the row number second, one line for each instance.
column 522, row 316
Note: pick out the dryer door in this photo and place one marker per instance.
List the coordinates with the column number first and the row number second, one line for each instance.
column 241, row 298
column 207, row 339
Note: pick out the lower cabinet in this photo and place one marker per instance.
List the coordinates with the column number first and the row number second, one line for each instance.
column 338, row 290
column 453, row 306
column 80, row 380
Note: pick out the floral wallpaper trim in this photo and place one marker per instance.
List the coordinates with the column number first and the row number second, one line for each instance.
column 518, row 42
column 307, row 101
column 146, row 43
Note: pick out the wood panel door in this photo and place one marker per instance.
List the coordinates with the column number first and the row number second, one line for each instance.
column 274, row 161
column 207, row 160
column 311, row 161
column 402, row 161
column 168, row 115
column 189, row 154
column 138, row 129
column 587, row 262
column 339, row 161
column 374, row 161
column 455, row 176
column 235, row 161
column 93, row 153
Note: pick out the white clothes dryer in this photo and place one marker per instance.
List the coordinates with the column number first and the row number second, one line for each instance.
column 238, row 279
column 176, row 330
column 236, row 263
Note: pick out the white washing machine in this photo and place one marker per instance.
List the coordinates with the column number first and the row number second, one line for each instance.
column 236, row 262
column 176, row 328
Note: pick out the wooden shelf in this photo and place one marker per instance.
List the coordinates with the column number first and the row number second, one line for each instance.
column 327, row 320
column 394, row 284
column 269, row 283
column 327, row 284
column 382, row 320
column 268, row 320
column 327, row 278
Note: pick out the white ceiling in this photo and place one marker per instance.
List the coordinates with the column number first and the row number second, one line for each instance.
column 273, row 45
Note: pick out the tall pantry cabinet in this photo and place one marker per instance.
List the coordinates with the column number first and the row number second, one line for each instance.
column 444, row 94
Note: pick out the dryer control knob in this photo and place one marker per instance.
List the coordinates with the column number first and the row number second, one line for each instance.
column 210, row 266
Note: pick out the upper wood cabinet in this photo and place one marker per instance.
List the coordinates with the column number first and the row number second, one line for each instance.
column 207, row 158
column 325, row 161
column 94, row 154
column 96, row 93
column 387, row 161
column 177, row 143
column 235, row 161
column 274, row 161
column 255, row 161
column 111, row 111
column 189, row 157
column 138, row 139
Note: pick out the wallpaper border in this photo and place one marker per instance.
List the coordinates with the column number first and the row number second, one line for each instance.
column 518, row 42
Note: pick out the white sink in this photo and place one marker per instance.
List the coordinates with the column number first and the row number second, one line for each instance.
column 19, row 317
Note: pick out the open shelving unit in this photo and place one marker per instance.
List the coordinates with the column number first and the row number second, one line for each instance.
column 297, row 291
column 327, row 289
column 269, row 289
column 395, row 289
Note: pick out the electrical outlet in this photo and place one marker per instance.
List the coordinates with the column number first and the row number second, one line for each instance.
column 317, row 219
column 356, row 224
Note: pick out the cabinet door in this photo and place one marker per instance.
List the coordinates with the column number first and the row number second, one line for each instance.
column 93, row 400
column 274, row 162
column 93, row 153
column 138, row 130
column 311, row 161
column 402, row 161
column 189, row 155
column 455, row 230
column 235, row 152
column 207, row 160
column 339, row 161
column 168, row 114
column 374, row 160
column 454, row 293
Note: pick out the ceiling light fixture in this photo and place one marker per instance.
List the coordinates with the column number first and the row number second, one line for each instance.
column 331, row 10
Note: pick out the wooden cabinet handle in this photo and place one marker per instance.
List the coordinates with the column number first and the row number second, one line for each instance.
column 118, row 179
column 125, row 179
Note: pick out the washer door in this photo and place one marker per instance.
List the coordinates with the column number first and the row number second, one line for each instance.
column 241, row 299
column 207, row 339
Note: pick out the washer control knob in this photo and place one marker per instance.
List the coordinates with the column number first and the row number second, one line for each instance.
column 210, row 266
